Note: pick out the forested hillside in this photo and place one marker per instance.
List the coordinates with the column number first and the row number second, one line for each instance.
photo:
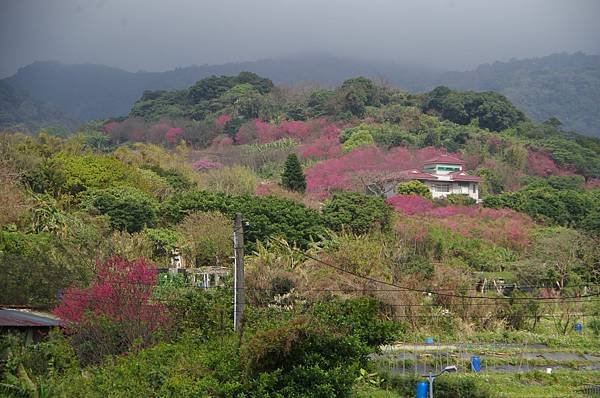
column 563, row 86
column 332, row 273
column 18, row 110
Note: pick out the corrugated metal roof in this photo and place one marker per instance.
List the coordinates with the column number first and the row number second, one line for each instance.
column 10, row 317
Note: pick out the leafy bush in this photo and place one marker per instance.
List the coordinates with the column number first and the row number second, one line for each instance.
column 300, row 359
column 35, row 267
column 268, row 216
column 357, row 212
column 594, row 325
column 358, row 139
column 206, row 239
column 128, row 208
column 460, row 199
column 414, row 187
column 447, row 386
column 358, row 317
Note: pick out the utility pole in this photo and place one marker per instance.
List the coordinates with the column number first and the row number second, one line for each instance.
column 239, row 287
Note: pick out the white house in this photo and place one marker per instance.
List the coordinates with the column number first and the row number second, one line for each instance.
column 443, row 174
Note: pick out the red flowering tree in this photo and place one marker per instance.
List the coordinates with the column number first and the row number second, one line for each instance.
column 355, row 169
column 410, row 204
column 264, row 131
column 221, row 121
column 115, row 312
column 173, row 134
column 158, row 132
column 327, row 146
column 541, row 164
column 296, row 130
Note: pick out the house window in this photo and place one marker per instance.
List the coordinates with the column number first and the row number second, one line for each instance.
column 443, row 188
column 474, row 188
column 448, row 168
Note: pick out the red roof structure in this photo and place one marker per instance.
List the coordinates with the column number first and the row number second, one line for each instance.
column 444, row 159
column 463, row 176
column 416, row 174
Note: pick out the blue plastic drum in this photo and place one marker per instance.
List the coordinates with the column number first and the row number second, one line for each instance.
column 475, row 364
column 578, row 327
column 422, row 389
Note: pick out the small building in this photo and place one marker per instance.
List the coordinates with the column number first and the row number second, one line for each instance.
column 31, row 324
column 443, row 174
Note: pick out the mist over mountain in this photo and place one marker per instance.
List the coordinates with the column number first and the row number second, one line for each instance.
column 566, row 86
column 18, row 110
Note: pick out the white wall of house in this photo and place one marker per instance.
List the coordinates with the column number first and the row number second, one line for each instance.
column 440, row 189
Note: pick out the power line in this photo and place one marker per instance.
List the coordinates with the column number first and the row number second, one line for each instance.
column 422, row 290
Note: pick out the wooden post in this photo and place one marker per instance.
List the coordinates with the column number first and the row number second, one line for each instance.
column 239, row 291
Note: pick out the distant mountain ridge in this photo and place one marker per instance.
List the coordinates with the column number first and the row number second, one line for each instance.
column 19, row 111
column 566, row 86
column 559, row 85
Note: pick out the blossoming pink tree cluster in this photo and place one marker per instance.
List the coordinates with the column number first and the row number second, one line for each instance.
column 361, row 166
column 173, row 134
column 221, row 121
column 410, row 204
column 121, row 292
column 325, row 146
column 504, row 227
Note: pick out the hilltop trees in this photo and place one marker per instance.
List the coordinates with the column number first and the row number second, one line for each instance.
column 492, row 110
column 293, row 177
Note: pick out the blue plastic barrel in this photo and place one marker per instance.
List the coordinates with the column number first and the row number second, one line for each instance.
column 475, row 364
column 422, row 389
column 428, row 340
column 578, row 327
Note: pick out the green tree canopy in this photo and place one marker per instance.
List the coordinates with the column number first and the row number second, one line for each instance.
column 128, row 208
column 293, row 177
column 357, row 212
column 414, row 187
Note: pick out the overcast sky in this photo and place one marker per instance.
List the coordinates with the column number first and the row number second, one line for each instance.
column 156, row 35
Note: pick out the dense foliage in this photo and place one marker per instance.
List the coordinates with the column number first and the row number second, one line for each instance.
column 333, row 270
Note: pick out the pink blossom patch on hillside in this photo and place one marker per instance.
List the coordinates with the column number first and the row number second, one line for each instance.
column 356, row 168
column 324, row 147
column 503, row 227
column 173, row 135
column 541, row 164
column 221, row 121
column 110, row 127
column 221, row 141
column 410, row 204
column 592, row 183
column 121, row 292
column 296, row 130
column 254, row 130
column 202, row 165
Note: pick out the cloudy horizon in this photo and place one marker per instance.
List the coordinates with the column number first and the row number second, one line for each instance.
column 153, row 35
